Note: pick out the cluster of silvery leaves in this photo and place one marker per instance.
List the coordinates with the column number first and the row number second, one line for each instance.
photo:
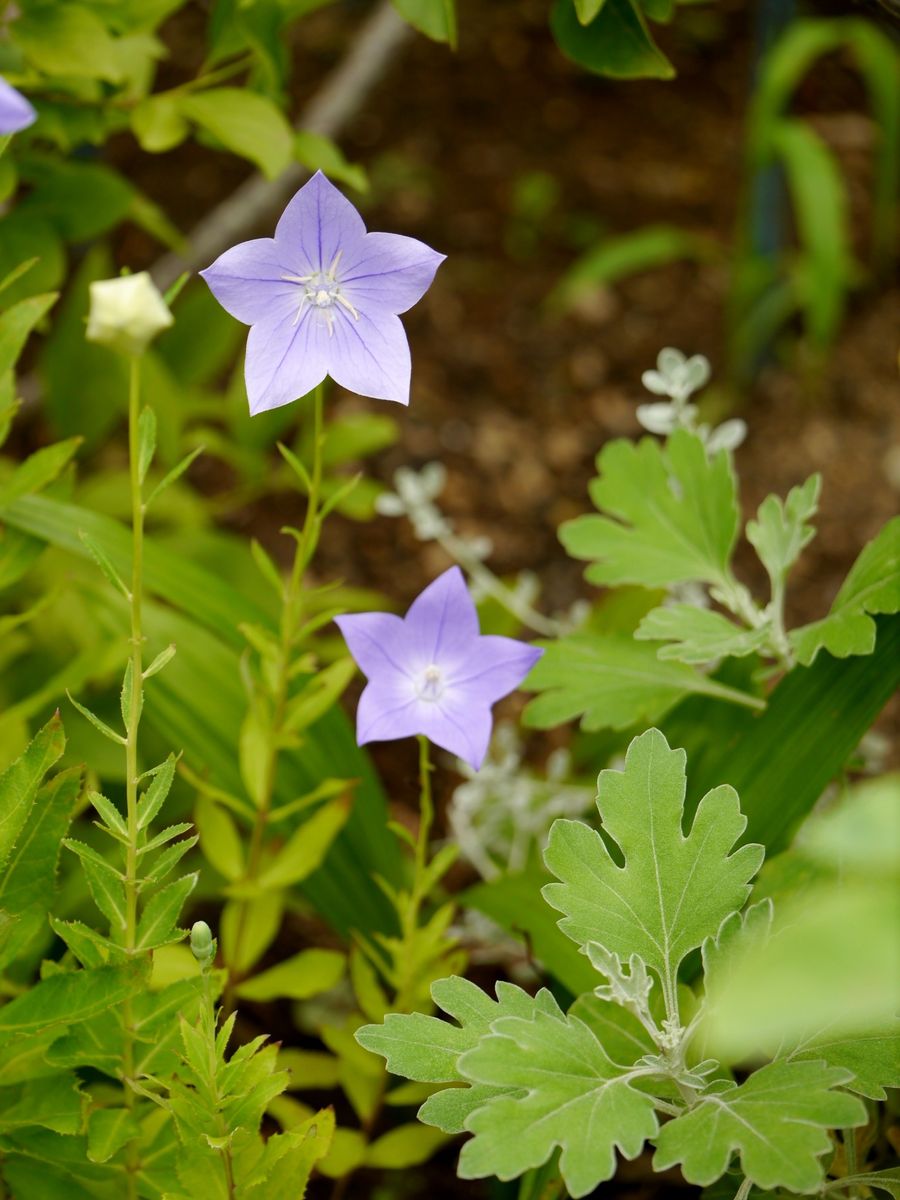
column 414, row 497
column 635, row 1059
column 668, row 523
column 499, row 816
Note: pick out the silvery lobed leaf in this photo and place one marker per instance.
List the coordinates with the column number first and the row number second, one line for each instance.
column 872, row 586
column 563, row 1091
column 698, row 635
column 661, row 418
column 780, row 531
column 674, row 890
column 777, row 1121
column 612, row 682
column 670, row 514
column 427, row 1049
column 727, row 436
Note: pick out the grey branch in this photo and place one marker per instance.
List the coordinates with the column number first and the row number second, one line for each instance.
column 339, row 98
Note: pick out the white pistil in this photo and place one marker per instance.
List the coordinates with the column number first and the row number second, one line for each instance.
column 430, row 685
column 322, row 290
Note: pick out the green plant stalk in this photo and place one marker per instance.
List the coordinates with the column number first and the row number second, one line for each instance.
column 131, row 745
column 209, row 1033
column 409, row 913
column 290, row 621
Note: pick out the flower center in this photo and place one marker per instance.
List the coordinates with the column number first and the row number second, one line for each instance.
column 430, row 684
column 321, row 290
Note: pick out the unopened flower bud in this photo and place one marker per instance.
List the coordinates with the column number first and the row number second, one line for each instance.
column 203, row 944
column 127, row 313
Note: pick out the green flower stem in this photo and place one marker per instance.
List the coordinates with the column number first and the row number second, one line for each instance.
column 291, row 614
column 131, row 746
column 409, row 913
column 208, row 1019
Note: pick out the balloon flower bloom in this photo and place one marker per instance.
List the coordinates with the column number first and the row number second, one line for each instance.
column 432, row 672
column 321, row 298
column 15, row 111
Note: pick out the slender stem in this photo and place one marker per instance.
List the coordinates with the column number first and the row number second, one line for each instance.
column 744, row 1190
column 131, row 747
column 209, row 1033
column 290, row 621
column 852, row 1159
column 409, row 914
column 488, row 581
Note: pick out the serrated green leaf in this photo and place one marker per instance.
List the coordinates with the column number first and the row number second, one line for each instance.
column 66, row 999
column 778, row 1122
column 89, row 947
column 698, row 635
column 672, row 514
column 157, row 926
column 155, row 795
column 20, row 781
column 297, row 978
column 780, row 532
column 98, row 724
column 29, row 876
column 565, row 1092
column 674, row 890
column 611, row 681
column 108, row 1131
column 872, row 586
column 54, row 1103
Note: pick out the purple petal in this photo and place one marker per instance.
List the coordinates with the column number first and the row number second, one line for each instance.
column 370, row 355
column 389, row 271
column 15, row 111
column 388, row 709
column 317, row 223
column 460, row 727
column 494, row 667
column 377, row 641
column 284, row 361
column 247, row 281
column 442, row 622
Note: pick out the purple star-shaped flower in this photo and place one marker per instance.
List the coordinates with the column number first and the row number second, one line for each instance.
column 432, row 671
column 15, row 111
column 322, row 298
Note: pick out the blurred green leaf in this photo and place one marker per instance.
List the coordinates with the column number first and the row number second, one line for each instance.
column 296, row 978
column 616, row 42
column 435, row 18
column 320, row 153
column 245, row 123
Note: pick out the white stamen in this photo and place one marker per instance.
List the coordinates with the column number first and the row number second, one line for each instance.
column 430, row 684
column 322, row 290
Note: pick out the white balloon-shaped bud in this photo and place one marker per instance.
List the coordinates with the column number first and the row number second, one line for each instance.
column 127, row 313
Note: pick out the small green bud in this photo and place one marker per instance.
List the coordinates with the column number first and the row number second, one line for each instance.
column 203, row 944
column 127, row 313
